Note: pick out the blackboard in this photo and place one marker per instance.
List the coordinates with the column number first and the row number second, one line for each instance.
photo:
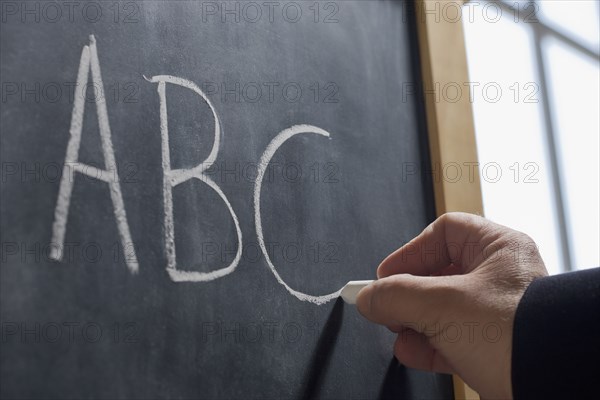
column 133, row 135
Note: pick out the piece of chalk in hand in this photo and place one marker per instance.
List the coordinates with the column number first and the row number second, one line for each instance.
column 350, row 291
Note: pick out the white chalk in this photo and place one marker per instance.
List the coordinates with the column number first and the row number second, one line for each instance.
column 350, row 291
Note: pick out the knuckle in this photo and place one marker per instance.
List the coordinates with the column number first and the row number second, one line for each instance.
column 456, row 217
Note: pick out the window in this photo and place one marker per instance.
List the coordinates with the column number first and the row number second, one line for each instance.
column 534, row 69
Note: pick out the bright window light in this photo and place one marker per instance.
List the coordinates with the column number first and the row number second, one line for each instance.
column 510, row 134
column 575, row 18
column 558, row 43
column 574, row 95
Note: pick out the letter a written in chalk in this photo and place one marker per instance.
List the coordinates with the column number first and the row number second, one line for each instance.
column 89, row 61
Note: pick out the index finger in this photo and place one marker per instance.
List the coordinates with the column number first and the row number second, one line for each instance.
column 440, row 245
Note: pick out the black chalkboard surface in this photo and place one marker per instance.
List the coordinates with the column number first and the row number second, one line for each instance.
column 141, row 140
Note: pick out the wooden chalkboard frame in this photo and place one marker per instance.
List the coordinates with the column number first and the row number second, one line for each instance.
column 450, row 126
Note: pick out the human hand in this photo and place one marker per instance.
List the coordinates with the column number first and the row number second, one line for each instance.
column 451, row 294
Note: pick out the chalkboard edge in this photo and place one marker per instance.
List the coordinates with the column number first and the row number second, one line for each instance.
column 450, row 125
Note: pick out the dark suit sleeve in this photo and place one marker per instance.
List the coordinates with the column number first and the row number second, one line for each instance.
column 556, row 338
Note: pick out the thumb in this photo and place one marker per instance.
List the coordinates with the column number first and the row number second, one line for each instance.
column 404, row 299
